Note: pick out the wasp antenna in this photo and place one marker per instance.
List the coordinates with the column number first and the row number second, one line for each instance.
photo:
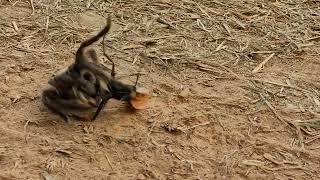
column 138, row 75
column 113, row 74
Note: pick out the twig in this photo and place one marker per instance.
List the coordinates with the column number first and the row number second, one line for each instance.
column 109, row 161
column 241, row 24
column 312, row 139
column 47, row 176
column 261, row 165
column 47, row 24
column 201, row 26
column 221, row 46
column 162, row 21
column 212, row 63
column 206, row 68
column 135, row 59
column 313, row 38
column 262, row 52
column 227, row 69
column 314, row 148
column 300, row 136
column 192, row 127
column 262, row 63
column 227, row 28
column 274, row 111
column 288, row 123
column 25, row 130
column 161, row 37
column 32, row 6
column 203, row 11
column 151, row 128
column 283, row 85
column 15, row 27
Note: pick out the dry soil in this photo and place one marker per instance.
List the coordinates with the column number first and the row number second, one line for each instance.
column 235, row 90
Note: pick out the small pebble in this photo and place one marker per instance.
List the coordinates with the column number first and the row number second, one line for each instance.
column 141, row 177
column 4, row 88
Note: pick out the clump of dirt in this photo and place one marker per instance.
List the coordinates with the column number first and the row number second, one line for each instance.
column 235, row 90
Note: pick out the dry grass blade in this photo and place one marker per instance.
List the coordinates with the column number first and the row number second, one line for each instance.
column 227, row 28
column 32, row 7
column 262, row 63
column 161, row 37
column 313, row 38
column 263, row 166
column 14, row 24
column 109, row 162
column 253, row 163
column 283, row 85
column 162, row 21
column 287, row 123
column 203, row 11
column 192, row 127
column 201, row 26
column 221, row 46
column 312, row 123
column 47, row 24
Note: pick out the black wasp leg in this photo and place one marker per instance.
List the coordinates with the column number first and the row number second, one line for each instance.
column 48, row 98
column 101, row 105
column 63, row 107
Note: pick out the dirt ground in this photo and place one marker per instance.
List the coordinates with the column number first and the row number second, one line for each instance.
column 235, row 90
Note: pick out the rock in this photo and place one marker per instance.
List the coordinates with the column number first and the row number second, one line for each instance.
column 4, row 88
column 17, row 79
column 4, row 101
column 141, row 177
column 14, row 95
column 185, row 93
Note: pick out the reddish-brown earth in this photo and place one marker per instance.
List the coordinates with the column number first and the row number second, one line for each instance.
column 215, row 113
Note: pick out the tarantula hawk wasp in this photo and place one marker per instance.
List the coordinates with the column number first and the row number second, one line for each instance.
column 85, row 85
column 116, row 89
